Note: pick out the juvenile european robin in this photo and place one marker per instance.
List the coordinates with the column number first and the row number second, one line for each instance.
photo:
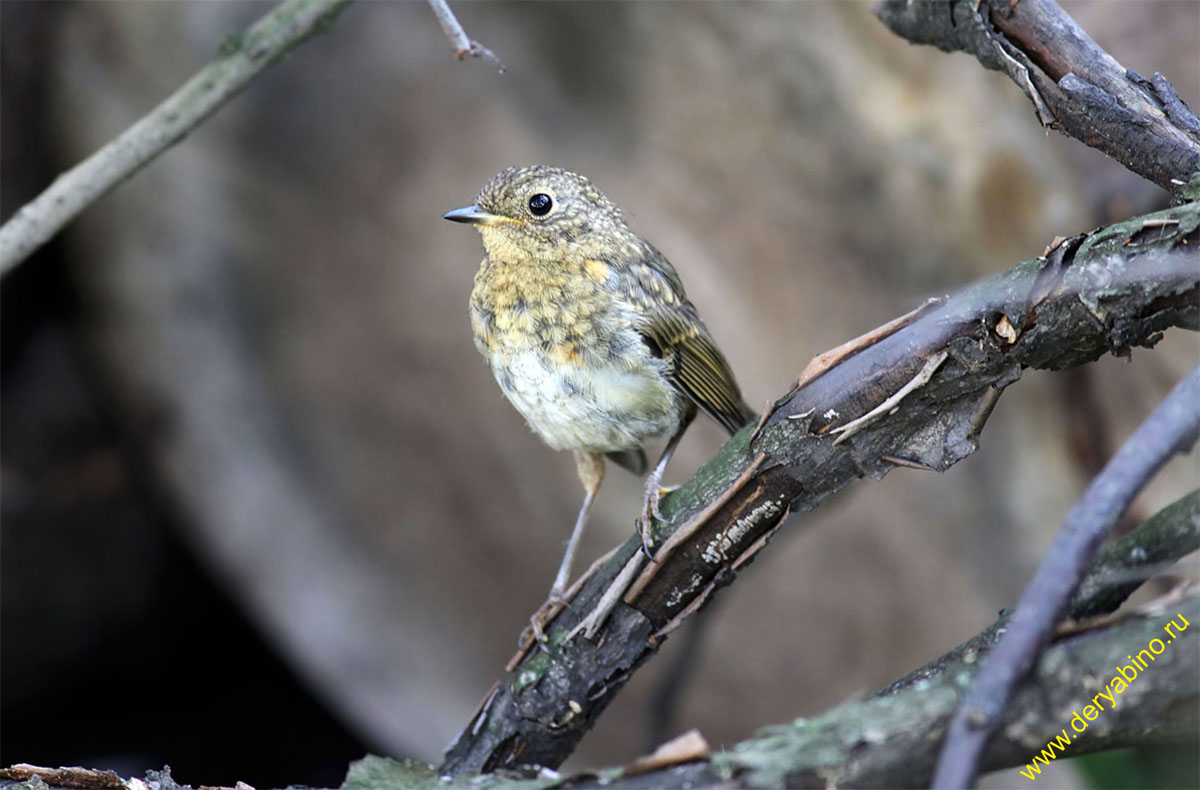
column 589, row 332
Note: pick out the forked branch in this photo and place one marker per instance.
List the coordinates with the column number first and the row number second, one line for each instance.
column 1092, row 294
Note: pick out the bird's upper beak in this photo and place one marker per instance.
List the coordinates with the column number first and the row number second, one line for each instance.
column 474, row 215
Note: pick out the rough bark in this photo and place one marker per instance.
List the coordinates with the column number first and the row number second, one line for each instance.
column 1075, row 86
column 890, row 738
column 1096, row 293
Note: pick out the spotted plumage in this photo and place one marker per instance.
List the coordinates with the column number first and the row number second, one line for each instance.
column 588, row 329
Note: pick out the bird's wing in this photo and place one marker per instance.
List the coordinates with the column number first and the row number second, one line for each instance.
column 674, row 331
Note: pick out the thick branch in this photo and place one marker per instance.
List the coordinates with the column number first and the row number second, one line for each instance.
column 1172, row 428
column 1096, row 293
column 1120, row 568
column 891, row 741
column 1075, row 86
column 242, row 57
column 890, row 738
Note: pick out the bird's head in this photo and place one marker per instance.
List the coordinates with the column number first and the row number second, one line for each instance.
column 541, row 212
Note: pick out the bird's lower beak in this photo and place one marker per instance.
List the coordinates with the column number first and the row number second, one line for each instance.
column 474, row 215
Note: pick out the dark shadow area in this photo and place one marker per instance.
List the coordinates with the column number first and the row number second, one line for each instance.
column 117, row 650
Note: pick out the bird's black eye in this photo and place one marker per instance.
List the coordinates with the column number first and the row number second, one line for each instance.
column 540, row 204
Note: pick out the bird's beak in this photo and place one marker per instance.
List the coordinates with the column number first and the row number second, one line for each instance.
column 474, row 215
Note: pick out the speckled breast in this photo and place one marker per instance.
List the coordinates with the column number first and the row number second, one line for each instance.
column 565, row 352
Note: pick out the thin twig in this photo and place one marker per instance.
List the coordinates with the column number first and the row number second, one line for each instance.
column 1173, row 427
column 451, row 27
column 824, row 361
column 590, row 625
column 242, row 57
column 458, row 38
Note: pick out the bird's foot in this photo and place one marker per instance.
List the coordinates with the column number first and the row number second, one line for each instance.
column 535, row 632
column 662, row 491
column 651, row 511
column 643, row 525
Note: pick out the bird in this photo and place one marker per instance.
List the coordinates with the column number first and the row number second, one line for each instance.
column 590, row 334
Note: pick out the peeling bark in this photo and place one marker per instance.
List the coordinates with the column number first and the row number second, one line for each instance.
column 1096, row 293
column 1075, row 86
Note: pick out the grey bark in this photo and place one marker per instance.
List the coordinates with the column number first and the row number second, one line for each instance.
column 1075, row 86
column 1096, row 293
column 890, row 738
column 1170, row 429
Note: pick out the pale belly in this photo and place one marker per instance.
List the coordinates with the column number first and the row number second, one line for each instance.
column 608, row 408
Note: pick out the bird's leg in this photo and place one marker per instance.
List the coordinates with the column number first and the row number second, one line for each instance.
column 654, row 489
column 591, row 473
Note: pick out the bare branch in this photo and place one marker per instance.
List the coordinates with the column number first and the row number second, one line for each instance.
column 1172, row 427
column 1121, row 567
column 462, row 44
column 1095, row 293
column 75, row 778
column 889, row 739
column 1075, row 86
column 242, row 57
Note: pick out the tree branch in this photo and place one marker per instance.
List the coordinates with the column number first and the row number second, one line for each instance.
column 890, row 738
column 458, row 38
column 1124, row 564
column 1172, row 427
column 1095, row 293
column 1075, row 86
column 242, row 57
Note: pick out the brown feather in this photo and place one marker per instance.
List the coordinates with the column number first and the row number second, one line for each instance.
column 670, row 321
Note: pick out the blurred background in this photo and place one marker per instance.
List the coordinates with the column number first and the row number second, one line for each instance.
column 264, row 508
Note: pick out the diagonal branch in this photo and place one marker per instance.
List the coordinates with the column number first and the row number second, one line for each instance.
column 1075, row 86
column 458, row 38
column 1121, row 567
column 889, row 738
column 242, row 57
column 1095, row 293
column 1173, row 427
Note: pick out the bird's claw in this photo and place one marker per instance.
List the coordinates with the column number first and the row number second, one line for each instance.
column 651, row 511
column 643, row 528
column 534, row 630
column 644, row 524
